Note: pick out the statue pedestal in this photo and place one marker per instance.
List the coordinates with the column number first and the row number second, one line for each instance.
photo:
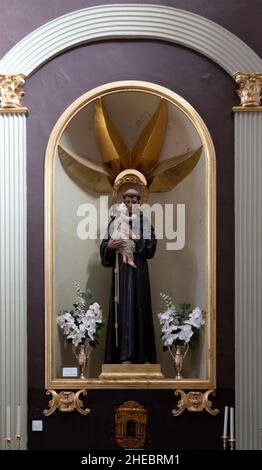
column 131, row 371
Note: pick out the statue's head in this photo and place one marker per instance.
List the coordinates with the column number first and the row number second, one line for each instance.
column 122, row 190
column 131, row 197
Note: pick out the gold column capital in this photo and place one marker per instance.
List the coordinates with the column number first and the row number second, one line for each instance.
column 249, row 91
column 11, row 92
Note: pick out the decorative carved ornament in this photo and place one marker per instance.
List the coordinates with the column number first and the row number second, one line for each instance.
column 66, row 402
column 11, row 91
column 250, row 88
column 120, row 165
column 194, row 401
column 130, row 425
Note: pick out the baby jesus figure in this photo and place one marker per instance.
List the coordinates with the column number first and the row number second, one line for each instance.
column 122, row 231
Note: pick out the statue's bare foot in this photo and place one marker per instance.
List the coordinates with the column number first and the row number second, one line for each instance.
column 131, row 263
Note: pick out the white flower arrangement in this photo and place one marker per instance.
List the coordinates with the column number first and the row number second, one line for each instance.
column 178, row 327
column 84, row 323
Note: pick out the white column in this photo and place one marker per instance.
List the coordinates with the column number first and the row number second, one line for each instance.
column 13, row 371
column 248, row 278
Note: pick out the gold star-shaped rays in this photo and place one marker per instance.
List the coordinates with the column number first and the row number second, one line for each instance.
column 161, row 176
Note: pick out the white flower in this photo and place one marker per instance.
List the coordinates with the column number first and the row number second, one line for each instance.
column 76, row 337
column 179, row 326
column 96, row 310
column 91, row 325
column 66, row 322
column 169, row 339
column 81, row 301
column 167, row 315
column 61, row 321
column 185, row 333
column 82, row 323
column 95, row 306
column 196, row 318
column 89, row 315
column 91, row 333
column 82, row 329
column 169, row 327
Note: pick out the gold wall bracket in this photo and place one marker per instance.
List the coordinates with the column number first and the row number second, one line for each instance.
column 194, row 401
column 11, row 91
column 65, row 402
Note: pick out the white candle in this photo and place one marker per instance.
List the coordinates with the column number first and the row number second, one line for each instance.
column 8, row 422
column 232, row 423
column 18, row 420
column 225, row 421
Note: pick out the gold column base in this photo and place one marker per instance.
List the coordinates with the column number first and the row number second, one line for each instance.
column 18, row 110
column 66, row 402
column 194, row 401
column 131, row 371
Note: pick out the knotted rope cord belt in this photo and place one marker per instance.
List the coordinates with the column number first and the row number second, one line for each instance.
column 116, row 298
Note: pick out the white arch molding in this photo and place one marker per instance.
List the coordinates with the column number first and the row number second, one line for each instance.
column 126, row 21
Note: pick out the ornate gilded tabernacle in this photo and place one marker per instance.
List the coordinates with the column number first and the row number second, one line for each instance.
column 130, row 425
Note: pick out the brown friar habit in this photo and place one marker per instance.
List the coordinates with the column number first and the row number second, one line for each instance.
column 136, row 340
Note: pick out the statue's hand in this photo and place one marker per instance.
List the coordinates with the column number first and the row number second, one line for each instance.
column 114, row 244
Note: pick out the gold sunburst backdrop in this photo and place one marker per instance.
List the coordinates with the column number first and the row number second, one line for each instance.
column 116, row 156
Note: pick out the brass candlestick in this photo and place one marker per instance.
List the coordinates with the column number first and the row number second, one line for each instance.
column 232, row 443
column 8, row 443
column 225, row 439
column 18, row 441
